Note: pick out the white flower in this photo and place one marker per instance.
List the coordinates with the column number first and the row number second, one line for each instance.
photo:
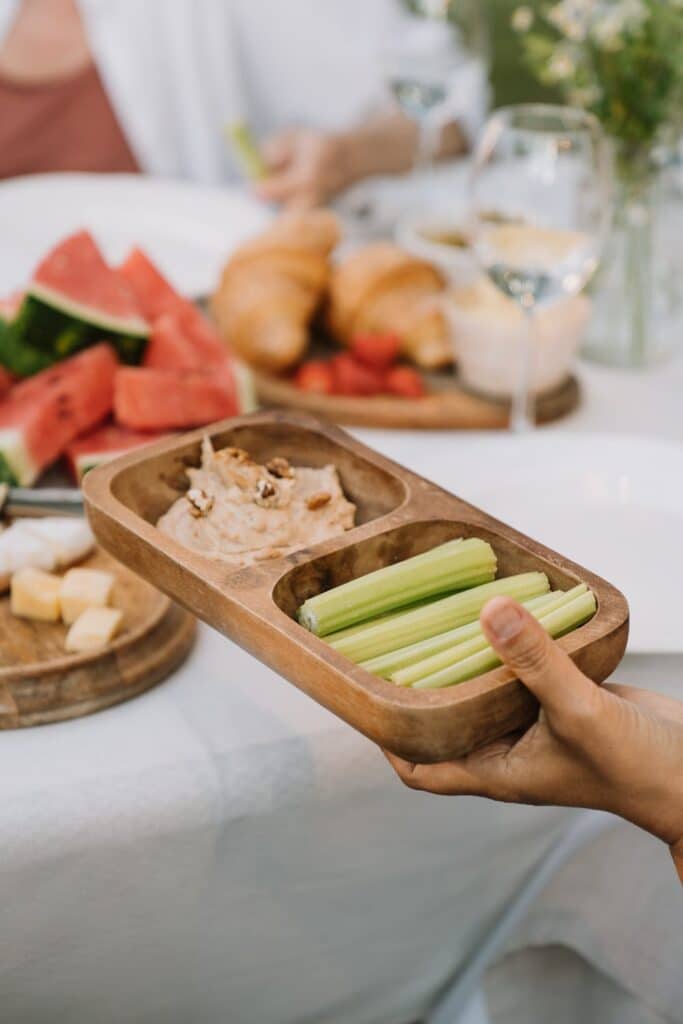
column 586, row 96
column 614, row 19
column 562, row 65
column 572, row 18
column 522, row 19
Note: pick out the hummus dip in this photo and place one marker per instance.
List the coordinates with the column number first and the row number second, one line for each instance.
column 241, row 512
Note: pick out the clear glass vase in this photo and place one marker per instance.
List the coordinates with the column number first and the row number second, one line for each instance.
column 638, row 292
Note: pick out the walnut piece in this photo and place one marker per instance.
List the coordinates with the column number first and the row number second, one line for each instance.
column 266, row 493
column 317, row 500
column 238, row 454
column 201, row 503
column 279, row 467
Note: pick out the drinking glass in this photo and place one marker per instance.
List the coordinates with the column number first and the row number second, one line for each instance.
column 434, row 64
column 540, row 194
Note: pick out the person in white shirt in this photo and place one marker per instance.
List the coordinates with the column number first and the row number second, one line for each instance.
column 304, row 75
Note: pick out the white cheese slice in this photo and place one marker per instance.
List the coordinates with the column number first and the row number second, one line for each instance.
column 94, row 629
column 34, row 594
column 71, row 539
column 82, row 589
column 22, row 549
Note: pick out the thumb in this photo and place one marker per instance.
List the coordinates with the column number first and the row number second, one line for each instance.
column 544, row 668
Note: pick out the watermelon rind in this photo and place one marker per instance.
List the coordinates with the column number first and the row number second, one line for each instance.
column 91, row 460
column 50, row 323
column 19, row 358
column 245, row 386
column 16, row 466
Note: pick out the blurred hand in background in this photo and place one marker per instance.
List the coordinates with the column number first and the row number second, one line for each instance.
column 308, row 168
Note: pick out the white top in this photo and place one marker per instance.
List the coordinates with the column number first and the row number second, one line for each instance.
column 178, row 71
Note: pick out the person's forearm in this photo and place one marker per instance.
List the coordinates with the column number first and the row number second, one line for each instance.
column 388, row 144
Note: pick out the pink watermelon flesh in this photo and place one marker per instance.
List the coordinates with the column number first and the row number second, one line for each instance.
column 169, row 347
column 182, row 339
column 43, row 414
column 157, row 298
column 75, row 271
column 154, row 294
column 6, row 381
column 152, row 399
column 104, row 443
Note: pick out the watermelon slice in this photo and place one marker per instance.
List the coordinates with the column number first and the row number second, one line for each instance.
column 169, row 347
column 41, row 416
column 75, row 300
column 150, row 399
column 103, row 445
column 10, row 306
column 154, row 294
column 6, row 382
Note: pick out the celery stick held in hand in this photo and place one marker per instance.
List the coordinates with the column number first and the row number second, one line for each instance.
column 613, row 748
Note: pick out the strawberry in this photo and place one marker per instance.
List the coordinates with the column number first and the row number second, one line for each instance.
column 352, row 378
column 405, row 382
column 315, row 376
column 378, row 351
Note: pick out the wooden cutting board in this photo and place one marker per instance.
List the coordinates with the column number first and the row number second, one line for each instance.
column 41, row 683
column 447, row 406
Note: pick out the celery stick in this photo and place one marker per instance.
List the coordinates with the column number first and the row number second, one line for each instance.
column 449, row 566
column 385, row 664
column 556, row 623
column 459, row 652
column 246, row 150
column 449, row 612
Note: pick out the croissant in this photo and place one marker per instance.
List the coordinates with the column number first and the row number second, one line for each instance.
column 272, row 286
column 382, row 288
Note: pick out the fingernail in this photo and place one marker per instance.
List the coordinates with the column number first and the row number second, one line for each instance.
column 504, row 620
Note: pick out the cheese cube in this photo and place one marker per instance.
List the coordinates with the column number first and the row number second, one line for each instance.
column 95, row 628
column 34, row 594
column 84, row 588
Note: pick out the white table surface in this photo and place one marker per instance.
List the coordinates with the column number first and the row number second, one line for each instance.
column 223, row 849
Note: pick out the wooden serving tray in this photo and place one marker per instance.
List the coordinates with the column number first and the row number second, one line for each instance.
column 447, row 406
column 41, row 683
column 399, row 515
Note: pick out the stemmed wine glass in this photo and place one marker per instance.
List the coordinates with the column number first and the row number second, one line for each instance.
column 540, row 207
column 434, row 64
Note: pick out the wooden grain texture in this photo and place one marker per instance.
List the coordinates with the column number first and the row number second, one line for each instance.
column 403, row 515
column 447, row 407
column 41, row 683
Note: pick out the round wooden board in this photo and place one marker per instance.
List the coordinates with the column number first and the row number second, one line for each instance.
column 40, row 683
column 446, row 407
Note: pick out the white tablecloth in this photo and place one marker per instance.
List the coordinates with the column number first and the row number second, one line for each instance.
column 222, row 849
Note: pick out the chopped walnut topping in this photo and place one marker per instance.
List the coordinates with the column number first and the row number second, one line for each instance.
column 201, row 503
column 317, row 500
column 279, row 467
column 238, row 454
column 265, row 492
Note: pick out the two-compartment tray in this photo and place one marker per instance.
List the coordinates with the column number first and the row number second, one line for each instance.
column 399, row 514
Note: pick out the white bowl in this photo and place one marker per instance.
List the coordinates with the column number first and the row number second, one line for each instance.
column 489, row 333
column 457, row 264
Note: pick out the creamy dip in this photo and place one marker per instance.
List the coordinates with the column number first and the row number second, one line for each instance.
column 241, row 512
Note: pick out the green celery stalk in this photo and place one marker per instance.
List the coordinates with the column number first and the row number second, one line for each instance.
column 246, row 150
column 385, row 664
column 556, row 623
column 454, row 565
column 459, row 652
column 437, row 617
